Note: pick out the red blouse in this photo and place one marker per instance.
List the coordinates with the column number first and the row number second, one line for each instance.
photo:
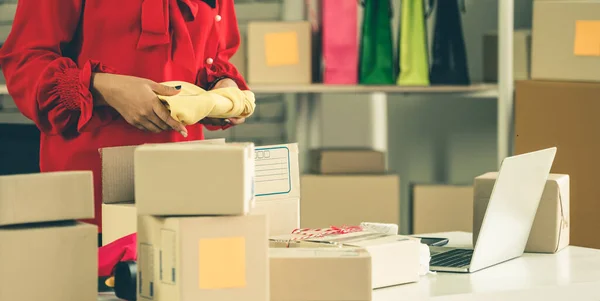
column 55, row 45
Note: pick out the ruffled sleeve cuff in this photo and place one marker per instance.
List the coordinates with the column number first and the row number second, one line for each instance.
column 217, row 127
column 68, row 100
column 224, row 69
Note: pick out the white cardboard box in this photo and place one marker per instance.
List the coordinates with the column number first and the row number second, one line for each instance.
column 395, row 259
column 277, row 173
column 194, row 179
column 118, row 220
column 283, row 215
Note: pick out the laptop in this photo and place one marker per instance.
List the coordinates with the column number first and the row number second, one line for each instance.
column 508, row 218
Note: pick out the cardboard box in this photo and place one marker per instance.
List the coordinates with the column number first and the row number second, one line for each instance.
column 194, row 179
column 550, row 230
column 340, row 161
column 50, row 262
column 521, row 55
column 395, row 259
column 441, row 208
column 46, row 197
column 565, row 40
column 279, row 53
column 118, row 220
column 319, row 273
column 117, row 172
column 203, row 258
column 283, row 215
column 337, row 200
column 277, row 174
column 563, row 114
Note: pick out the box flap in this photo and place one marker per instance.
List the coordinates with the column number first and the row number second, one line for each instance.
column 277, row 174
column 117, row 171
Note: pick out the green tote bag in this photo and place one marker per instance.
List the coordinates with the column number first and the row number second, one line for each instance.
column 376, row 65
column 414, row 53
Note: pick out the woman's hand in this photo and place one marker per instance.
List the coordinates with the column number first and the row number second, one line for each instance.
column 224, row 83
column 135, row 99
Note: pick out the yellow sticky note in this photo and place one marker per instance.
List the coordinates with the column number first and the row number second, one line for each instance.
column 281, row 49
column 222, row 263
column 587, row 38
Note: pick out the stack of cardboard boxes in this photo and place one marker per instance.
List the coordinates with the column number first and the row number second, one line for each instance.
column 44, row 253
column 441, row 208
column 559, row 106
column 348, row 187
column 196, row 239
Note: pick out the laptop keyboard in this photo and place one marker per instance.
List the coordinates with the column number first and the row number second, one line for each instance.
column 456, row 258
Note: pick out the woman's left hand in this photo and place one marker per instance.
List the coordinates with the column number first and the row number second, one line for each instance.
column 224, row 83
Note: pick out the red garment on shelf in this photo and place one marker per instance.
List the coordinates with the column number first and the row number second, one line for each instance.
column 55, row 45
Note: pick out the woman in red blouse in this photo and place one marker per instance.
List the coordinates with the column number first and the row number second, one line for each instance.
column 87, row 72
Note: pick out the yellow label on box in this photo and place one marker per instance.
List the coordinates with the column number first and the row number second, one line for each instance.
column 222, row 263
column 281, row 49
column 587, row 38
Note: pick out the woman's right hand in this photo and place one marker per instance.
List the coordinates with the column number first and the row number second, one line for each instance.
column 135, row 99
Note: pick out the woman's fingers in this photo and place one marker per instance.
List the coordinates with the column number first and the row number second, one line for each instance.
column 165, row 116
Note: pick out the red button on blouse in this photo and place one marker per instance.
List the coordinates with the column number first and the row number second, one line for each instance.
column 56, row 45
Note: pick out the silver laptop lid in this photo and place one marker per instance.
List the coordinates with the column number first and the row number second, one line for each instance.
column 512, row 208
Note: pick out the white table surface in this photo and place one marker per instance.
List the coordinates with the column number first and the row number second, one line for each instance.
column 572, row 273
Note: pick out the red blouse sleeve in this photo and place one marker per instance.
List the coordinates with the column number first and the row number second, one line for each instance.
column 229, row 42
column 48, row 88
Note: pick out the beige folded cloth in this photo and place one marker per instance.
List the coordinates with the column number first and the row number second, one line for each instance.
column 193, row 103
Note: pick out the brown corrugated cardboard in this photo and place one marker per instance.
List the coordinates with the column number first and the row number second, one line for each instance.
column 203, row 258
column 194, row 179
column 277, row 172
column 49, row 262
column 395, row 259
column 46, row 197
column 319, row 273
column 336, row 200
column 347, row 161
column 564, row 115
column 117, row 172
column 565, row 40
column 283, row 215
column 550, row 230
column 442, row 208
column 279, row 53
column 118, row 220
column 521, row 55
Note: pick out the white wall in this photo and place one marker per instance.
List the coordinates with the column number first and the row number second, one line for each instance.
column 441, row 138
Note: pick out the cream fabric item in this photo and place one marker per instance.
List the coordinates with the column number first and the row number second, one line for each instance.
column 193, row 103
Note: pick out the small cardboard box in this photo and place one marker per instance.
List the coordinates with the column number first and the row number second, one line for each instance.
column 550, row 230
column 117, row 171
column 521, row 55
column 283, row 215
column 203, row 258
column 442, row 208
column 51, row 262
column 46, row 197
column 194, row 179
column 346, row 161
column 118, row 220
column 277, row 173
column 349, row 200
column 395, row 259
column 316, row 272
column 279, row 53
column 565, row 41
